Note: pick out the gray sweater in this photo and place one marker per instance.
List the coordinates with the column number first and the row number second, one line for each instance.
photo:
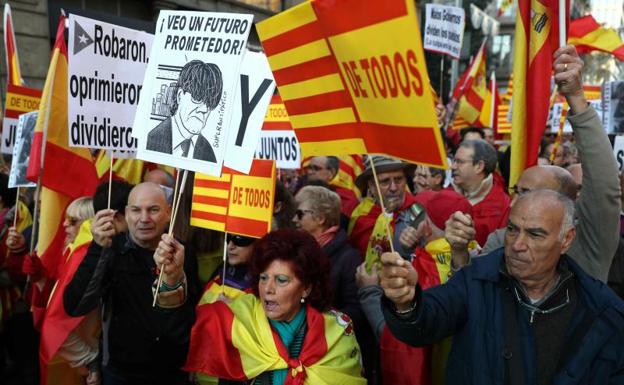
column 598, row 207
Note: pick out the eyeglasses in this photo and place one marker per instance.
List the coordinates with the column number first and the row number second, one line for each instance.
column 520, row 190
column 301, row 213
column 314, row 167
column 460, row 161
column 239, row 240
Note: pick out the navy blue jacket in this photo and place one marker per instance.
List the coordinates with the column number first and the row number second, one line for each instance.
column 469, row 307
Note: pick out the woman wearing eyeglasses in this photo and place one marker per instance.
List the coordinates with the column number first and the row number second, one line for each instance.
column 282, row 333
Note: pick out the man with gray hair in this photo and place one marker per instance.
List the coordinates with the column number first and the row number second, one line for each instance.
column 523, row 314
column 325, row 169
column 472, row 168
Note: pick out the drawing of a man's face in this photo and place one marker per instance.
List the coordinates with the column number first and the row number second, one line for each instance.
column 191, row 113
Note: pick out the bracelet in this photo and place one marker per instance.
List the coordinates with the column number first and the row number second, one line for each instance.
column 403, row 312
column 165, row 288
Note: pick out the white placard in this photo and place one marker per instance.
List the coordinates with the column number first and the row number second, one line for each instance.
column 184, row 117
column 618, row 151
column 9, row 134
column 557, row 110
column 107, row 64
column 444, row 29
column 21, row 150
column 255, row 90
column 281, row 146
column 613, row 95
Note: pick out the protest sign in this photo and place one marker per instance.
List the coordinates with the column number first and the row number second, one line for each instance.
column 235, row 202
column 106, row 68
column 189, row 89
column 277, row 138
column 18, row 101
column 21, row 150
column 618, row 151
column 444, row 29
column 613, row 103
column 255, row 89
column 559, row 112
column 348, row 87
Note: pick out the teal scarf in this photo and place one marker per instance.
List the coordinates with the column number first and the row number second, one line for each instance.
column 287, row 332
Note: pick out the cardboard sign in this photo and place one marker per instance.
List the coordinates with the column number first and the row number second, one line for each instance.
column 277, row 138
column 189, row 91
column 235, row 202
column 18, row 101
column 255, row 89
column 106, row 68
column 618, row 151
column 353, row 78
column 444, row 29
column 21, row 150
column 613, row 102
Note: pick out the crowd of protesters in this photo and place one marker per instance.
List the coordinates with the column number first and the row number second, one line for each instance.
column 416, row 276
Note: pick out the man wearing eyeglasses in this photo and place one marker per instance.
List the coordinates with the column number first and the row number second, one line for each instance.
column 598, row 205
column 325, row 169
column 523, row 314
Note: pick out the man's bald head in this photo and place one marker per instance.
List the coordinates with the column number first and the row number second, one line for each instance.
column 160, row 177
column 549, row 178
column 147, row 214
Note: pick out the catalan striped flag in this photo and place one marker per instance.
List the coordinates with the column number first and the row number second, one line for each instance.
column 14, row 75
column 587, row 35
column 235, row 202
column 348, row 91
column 69, row 173
column 536, row 40
column 471, row 91
column 504, row 120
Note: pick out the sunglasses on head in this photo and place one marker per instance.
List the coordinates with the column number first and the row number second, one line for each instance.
column 239, row 240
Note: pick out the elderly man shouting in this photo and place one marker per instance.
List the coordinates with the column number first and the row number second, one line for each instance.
column 525, row 314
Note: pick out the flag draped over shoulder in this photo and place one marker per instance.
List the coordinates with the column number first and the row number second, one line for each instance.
column 536, row 40
column 235, row 341
column 14, row 75
column 66, row 173
column 57, row 324
column 587, row 35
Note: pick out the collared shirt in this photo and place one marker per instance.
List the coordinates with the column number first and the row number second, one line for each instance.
column 179, row 135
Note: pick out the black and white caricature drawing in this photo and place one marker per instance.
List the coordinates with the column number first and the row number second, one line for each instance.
column 195, row 94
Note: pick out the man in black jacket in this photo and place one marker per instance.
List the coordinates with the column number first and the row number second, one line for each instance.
column 142, row 344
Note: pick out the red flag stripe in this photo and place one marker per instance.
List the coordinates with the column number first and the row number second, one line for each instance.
column 206, row 200
column 208, row 216
column 294, row 38
column 474, row 99
column 318, row 103
column 331, row 12
column 212, row 184
column 582, row 26
column 81, row 170
column 311, row 69
column 276, row 126
column 246, row 226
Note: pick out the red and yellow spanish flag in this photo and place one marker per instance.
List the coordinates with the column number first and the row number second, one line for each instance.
column 346, row 89
column 536, row 40
column 14, row 75
column 587, row 35
column 471, row 92
column 69, row 173
column 129, row 170
column 57, row 324
column 235, row 341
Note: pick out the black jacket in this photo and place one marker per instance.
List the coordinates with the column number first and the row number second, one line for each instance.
column 139, row 339
column 160, row 139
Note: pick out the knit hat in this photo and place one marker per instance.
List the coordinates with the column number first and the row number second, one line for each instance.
column 440, row 205
column 382, row 164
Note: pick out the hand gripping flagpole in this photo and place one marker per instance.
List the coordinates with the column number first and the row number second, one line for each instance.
column 176, row 204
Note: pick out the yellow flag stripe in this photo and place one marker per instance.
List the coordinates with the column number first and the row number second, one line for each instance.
column 338, row 147
column 211, row 192
column 312, row 87
column 221, row 210
column 225, row 177
column 518, row 123
column 323, row 118
column 304, row 53
column 602, row 38
column 286, row 21
column 206, row 224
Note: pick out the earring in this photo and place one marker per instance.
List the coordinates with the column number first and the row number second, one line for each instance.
column 302, row 299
